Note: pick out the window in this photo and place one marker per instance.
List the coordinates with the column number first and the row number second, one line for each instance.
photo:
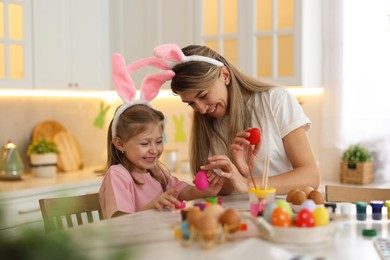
column 239, row 29
column 14, row 44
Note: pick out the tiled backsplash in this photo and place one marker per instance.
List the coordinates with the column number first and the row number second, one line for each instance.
column 19, row 116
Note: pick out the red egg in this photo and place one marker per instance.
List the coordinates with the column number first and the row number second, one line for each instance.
column 280, row 218
column 304, row 218
column 255, row 136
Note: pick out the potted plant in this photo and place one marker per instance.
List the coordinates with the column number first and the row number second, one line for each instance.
column 357, row 166
column 43, row 157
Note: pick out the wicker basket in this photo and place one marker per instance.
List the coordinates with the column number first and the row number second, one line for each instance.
column 363, row 174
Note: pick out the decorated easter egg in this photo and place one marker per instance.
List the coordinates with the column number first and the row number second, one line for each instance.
column 255, row 136
column 185, row 230
column 181, row 206
column 321, row 216
column 304, row 218
column 201, row 182
column 309, row 204
column 285, row 205
column 268, row 211
column 280, row 218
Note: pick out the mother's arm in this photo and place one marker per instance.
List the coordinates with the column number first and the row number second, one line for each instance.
column 305, row 171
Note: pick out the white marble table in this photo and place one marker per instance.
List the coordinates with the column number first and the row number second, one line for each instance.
column 149, row 235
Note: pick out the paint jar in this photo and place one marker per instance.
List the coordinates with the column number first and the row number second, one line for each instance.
column 376, row 206
column 259, row 199
column 387, row 204
column 361, row 210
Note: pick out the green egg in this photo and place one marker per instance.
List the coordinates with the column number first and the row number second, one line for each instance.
column 285, row 205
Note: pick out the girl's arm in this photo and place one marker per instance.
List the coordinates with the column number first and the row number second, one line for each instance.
column 165, row 200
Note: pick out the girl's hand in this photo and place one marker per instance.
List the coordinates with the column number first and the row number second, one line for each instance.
column 244, row 154
column 229, row 171
column 166, row 200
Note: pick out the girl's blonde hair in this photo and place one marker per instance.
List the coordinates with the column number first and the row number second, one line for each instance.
column 133, row 121
column 199, row 76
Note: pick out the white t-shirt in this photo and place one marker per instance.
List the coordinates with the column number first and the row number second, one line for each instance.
column 279, row 113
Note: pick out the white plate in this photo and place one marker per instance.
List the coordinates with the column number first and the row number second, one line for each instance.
column 294, row 235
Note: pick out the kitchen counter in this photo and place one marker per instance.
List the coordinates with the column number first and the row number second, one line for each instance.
column 29, row 184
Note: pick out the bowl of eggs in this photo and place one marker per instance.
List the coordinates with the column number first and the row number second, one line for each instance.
column 309, row 224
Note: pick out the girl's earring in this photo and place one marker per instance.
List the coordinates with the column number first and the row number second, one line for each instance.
column 123, row 152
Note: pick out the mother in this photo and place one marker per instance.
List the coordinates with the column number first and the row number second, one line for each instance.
column 226, row 102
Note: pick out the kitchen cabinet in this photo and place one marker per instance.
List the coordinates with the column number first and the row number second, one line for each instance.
column 139, row 26
column 71, row 44
column 20, row 205
column 274, row 40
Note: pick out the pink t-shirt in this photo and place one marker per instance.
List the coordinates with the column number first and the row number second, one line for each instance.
column 118, row 191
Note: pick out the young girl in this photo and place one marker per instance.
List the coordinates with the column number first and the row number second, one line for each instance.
column 135, row 179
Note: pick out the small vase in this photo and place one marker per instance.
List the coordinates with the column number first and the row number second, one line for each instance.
column 44, row 165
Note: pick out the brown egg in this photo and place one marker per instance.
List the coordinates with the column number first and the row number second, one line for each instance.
column 207, row 226
column 299, row 197
column 192, row 217
column 231, row 219
column 290, row 194
column 317, row 197
column 307, row 190
column 215, row 210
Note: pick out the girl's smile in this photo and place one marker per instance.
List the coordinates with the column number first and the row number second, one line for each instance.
column 145, row 149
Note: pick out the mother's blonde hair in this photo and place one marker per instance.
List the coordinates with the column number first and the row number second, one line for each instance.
column 199, row 76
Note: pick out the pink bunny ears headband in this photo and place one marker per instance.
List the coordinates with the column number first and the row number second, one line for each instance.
column 165, row 57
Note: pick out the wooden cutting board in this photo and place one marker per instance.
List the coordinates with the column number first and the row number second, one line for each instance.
column 47, row 129
column 69, row 158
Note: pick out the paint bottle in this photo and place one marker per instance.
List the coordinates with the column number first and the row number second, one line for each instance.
column 387, row 204
column 376, row 206
column 361, row 209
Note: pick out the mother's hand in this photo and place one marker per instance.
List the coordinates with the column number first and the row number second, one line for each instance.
column 244, row 154
column 229, row 171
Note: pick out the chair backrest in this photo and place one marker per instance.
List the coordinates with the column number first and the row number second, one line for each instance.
column 62, row 212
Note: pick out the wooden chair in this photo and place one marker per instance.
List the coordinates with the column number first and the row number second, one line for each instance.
column 83, row 208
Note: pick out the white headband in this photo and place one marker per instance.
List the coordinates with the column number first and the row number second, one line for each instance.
column 173, row 55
